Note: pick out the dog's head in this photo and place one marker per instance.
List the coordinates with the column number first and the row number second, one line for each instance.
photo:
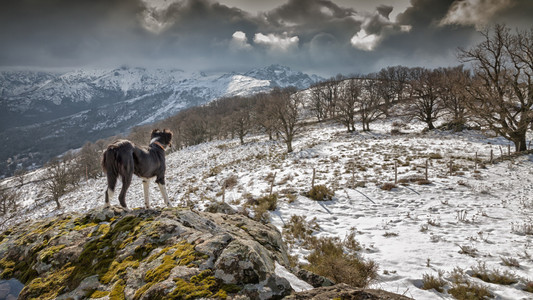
column 164, row 137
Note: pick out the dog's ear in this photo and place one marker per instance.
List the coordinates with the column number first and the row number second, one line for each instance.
column 155, row 131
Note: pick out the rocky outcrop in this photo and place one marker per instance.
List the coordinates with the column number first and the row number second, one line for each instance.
column 145, row 254
column 345, row 292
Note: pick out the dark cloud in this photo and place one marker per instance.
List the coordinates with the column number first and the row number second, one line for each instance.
column 312, row 35
column 384, row 10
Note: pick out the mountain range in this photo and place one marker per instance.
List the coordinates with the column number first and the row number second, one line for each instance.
column 45, row 113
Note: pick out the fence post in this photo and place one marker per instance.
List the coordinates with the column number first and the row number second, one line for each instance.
column 426, row 169
column 313, row 180
column 395, row 172
column 475, row 163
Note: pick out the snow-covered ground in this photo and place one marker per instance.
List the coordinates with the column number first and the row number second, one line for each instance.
column 409, row 231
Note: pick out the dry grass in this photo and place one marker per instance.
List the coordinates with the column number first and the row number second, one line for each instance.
column 433, row 282
column 493, row 276
column 329, row 259
column 320, row 193
column 387, row 186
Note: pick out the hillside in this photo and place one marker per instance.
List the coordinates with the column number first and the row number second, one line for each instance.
column 477, row 219
column 44, row 114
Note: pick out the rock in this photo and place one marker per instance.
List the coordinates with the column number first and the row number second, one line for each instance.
column 345, row 292
column 145, row 254
column 313, row 279
column 220, row 207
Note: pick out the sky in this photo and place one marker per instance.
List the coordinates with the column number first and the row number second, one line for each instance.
column 324, row 37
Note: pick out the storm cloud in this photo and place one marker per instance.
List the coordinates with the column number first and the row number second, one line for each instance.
column 317, row 36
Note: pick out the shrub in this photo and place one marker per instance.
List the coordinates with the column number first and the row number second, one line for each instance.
column 262, row 205
column 387, row 186
column 298, row 230
column 463, row 289
column 493, row 276
column 329, row 259
column 431, row 282
column 230, row 182
column 320, row 193
column 510, row 262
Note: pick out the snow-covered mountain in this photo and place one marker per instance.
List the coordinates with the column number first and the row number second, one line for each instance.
column 43, row 114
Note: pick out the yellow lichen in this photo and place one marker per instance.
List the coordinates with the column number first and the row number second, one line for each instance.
column 101, row 230
column 98, row 294
column 117, row 269
column 49, row 252
column 50, row 286
column 117, row 292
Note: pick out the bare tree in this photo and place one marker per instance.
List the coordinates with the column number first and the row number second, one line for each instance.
column 287, row 104
column 426, row 104
column 502, row 90
column 89, row 159
column 393, row 83
column 371, row 106
column 453, row 95
column 319, row 105
column 347, row 103
column 8, row 200
column 62, row 177
column 265, row 114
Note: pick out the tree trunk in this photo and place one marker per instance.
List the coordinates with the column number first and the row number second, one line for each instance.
column 430, row 125
column 520, row 143
column 289, row 146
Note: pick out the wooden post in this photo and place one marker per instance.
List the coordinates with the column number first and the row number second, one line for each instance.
column 508, row 149
column 272, row 184
column 427, row 169
column 395, row 172
column 313, row 180
column 491, row 156
column 519, row 144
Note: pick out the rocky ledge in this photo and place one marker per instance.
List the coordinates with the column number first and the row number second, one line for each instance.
column 112, row 253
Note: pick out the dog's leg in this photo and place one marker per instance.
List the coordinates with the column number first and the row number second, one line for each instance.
column 110, row 192
column 163, row 190
column 108, row 196
column 126, row 181
column 146, row 185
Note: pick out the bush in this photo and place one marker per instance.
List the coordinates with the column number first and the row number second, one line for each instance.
column 298, row 230
column 387, row 186
column 431, row 282
column 320, row 193
column 329, row 259
column 262, row 205
column 493, row 276
column 463, row 289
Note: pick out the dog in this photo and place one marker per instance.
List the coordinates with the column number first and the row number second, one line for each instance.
column 123, row 158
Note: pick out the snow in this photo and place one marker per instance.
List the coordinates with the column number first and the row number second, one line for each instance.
column 296, row 283
column 409, row 231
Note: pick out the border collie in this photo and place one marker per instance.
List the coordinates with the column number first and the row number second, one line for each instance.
column 123, row 158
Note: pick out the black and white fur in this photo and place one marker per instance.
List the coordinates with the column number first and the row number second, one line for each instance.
column 123, row 159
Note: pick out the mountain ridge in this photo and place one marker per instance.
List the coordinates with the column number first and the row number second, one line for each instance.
column 58, row 111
